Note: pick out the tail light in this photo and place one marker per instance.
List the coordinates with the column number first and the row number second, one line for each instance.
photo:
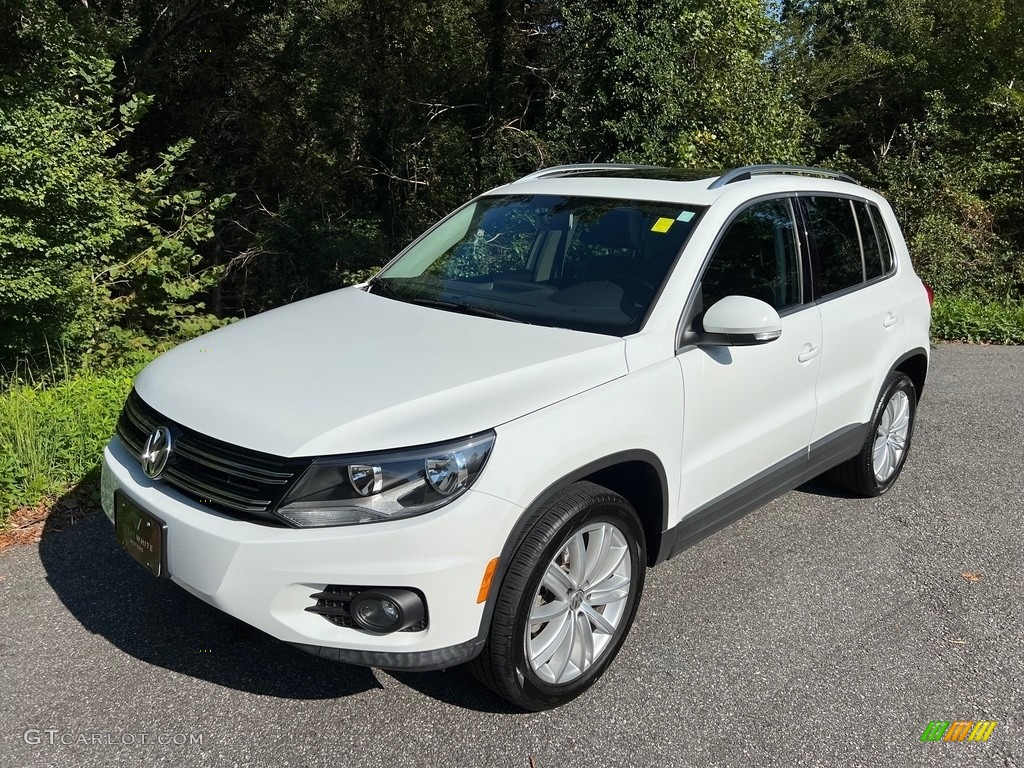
column 928, row 290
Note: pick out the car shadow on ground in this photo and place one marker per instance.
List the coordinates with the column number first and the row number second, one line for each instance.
column 820, row 486
column 158, row 622
column 457, row 687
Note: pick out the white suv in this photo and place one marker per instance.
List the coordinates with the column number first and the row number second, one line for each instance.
column 476, row 455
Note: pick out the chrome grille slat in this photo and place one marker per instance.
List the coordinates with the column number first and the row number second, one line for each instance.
column 132, row 443
column 146, row 425
column 216, row 495
column 234, row 480
column 260, row 476
column 256, row 462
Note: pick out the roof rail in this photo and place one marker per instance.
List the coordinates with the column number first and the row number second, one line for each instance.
column 568, row 170
column 748, row 171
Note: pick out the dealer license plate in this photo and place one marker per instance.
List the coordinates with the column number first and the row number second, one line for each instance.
column 141, row 534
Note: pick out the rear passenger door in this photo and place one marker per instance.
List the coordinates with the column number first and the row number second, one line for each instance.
column 862, row 331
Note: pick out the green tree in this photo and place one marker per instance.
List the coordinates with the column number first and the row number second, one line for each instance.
column 685, row 82
column 346, row 127
column 924, row 101
column 93, row 252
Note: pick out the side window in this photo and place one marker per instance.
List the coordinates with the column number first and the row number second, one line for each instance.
column 869, row 241
column 833, row 229
column 757, row 256
column 883, row 240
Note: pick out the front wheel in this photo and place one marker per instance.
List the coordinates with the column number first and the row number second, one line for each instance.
column 874, row 470
column 567, row 600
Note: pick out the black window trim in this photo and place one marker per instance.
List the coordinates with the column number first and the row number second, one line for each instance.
column 860, row 243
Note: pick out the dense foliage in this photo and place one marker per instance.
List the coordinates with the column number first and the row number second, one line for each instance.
column 167, row 165
column 924, row 101
column 96, row 251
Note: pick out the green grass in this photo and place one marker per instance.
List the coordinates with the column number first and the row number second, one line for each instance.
column 52, row 434
column 960, row 318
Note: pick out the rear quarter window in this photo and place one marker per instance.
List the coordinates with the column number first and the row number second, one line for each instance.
column 869, row 241
column 833, row 231
column 884, row 242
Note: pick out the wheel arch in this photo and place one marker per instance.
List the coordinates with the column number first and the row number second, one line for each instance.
column 636, row 475
column 915, row 365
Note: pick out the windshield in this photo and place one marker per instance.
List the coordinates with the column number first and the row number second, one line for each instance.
column 584, row 263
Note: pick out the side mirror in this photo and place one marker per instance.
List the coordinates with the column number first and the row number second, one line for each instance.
column 740, row 321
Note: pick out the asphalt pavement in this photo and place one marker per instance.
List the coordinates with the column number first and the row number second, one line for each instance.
column 821, row 630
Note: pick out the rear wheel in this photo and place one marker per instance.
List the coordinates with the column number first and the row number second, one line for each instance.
column 567, row 600
column 874, row 470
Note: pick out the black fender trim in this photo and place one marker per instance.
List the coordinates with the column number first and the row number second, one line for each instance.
column 916, row 352
column 533, row 512
column 835, row 449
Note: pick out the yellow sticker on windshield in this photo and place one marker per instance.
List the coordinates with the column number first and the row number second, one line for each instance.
column 663, row 225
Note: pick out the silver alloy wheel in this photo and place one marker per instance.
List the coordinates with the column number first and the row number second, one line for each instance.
column 580, row 603
column 891, row 436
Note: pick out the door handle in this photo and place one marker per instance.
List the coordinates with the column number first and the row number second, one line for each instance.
column 809, row 351
column 890, row 320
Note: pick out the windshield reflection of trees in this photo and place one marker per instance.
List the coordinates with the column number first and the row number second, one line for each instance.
column 520, row 251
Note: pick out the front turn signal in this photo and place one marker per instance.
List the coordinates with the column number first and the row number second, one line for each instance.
column 485, row 583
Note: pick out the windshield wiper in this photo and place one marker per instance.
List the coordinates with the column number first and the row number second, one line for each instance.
column 466, row 309
column 377, row 285
column 382, row 287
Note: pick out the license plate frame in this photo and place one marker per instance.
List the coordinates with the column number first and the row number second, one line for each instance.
column 141, row 534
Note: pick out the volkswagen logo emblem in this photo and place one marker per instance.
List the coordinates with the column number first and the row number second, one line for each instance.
column 156, row 452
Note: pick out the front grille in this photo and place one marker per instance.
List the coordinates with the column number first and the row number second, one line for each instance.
column 234, row 480
column 333, row 604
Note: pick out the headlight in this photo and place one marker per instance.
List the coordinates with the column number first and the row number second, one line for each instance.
column 384, row 486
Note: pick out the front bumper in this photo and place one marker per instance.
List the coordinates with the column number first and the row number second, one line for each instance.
column 265, row 576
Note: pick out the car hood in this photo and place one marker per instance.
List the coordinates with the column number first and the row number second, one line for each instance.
column 350, row 372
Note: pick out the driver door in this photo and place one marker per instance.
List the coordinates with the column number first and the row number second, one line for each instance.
column 749, row 411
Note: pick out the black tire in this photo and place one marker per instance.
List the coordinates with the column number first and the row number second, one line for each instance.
column 503, row 665
column 858, row 474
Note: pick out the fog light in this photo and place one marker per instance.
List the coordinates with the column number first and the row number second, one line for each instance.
column 386, row 610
